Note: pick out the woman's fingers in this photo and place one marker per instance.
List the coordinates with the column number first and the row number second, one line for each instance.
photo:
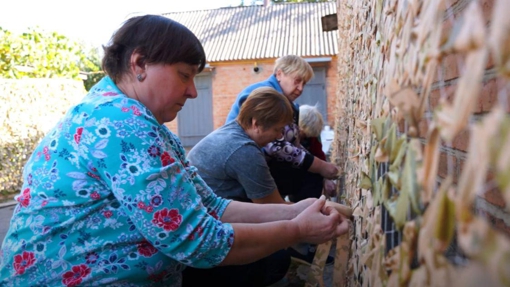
column 343, row 227
column 342, row 209
column 321, row 222
column 330, row 171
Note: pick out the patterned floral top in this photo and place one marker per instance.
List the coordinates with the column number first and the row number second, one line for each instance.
column 110, row 199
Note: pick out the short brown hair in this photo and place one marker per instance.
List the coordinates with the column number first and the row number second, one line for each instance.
column 158, row 39
column 267, row 106
column 294, row 64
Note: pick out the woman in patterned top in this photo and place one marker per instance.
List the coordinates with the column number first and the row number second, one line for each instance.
column 109, row 198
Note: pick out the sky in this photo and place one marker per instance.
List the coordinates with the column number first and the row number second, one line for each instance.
column 91, row 21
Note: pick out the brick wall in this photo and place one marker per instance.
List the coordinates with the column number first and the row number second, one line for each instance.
column 230, row 78
column 453, row 155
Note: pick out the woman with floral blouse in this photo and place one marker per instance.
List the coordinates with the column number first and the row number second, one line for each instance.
column 109, row 198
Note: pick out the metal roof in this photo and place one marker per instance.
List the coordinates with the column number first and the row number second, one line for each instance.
column 258, row 32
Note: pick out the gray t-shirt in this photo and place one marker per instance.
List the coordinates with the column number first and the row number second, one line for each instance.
column 232, row 164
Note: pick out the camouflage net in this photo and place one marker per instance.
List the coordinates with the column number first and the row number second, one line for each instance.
column 412, row 226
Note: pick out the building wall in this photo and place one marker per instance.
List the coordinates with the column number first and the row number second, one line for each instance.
column 230, row 78
column 445, row 85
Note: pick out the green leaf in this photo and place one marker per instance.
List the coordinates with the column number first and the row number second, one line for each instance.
column 378, row 127
column 395, row 165
column 397, row 146
column 366, row 182
column 409, row 181
column 391, row 139
column 445, row 225
column 376, row 191
column 397, row 208
column 394, row 177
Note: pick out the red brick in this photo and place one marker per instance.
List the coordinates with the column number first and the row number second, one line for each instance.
column 444, row 159
column 446, row 29
column 436, row 95
column 500, row 225
column 493, row 196
column 488, row 96
column 461, row 165
column 497, row 223
column 423, row 127
column 450, row 66
column 331, row 89
column 453, row 62
column 461, row 141
column 229, row 80
column 402, row 126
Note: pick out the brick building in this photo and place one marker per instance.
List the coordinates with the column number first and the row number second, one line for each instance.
column 241, row 45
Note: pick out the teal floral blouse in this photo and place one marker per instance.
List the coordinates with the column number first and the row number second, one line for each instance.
column 110, row 199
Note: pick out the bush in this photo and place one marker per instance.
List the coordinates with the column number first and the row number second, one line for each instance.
column 29, row 109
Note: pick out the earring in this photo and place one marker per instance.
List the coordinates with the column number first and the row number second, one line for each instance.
column 139, row 77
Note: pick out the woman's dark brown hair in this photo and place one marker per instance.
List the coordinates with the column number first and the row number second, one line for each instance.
column 158, row 39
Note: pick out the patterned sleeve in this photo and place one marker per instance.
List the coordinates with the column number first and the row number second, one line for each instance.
column 169, row 204
column 289, row 150
column 215, row 205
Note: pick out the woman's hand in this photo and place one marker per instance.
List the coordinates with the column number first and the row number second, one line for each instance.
column 319, row 223
column 329, row 188
column 301, row 205
column 329, row 170
column 324, row 168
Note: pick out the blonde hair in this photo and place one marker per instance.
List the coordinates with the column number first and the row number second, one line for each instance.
column 294, row 64
column 310, row 120
column 267, row 106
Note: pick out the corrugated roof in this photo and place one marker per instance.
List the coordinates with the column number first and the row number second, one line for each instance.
column 258, row 32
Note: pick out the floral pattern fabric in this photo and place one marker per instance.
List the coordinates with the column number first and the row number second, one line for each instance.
column 287, row 149
column 110, row 199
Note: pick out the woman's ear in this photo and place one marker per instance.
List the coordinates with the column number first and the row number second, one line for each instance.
column 137, row 65
column 278, row 74
column 254, row 125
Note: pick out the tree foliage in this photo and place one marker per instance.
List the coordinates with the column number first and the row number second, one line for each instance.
column 39, row 54
column 91, row 66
